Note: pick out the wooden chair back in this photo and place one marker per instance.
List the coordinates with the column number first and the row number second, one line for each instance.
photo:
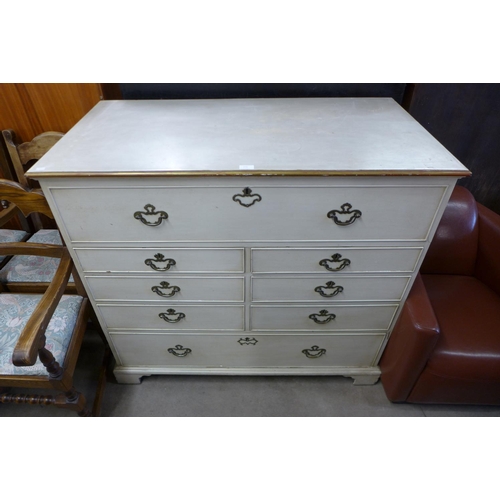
column 22, row 157
column 25, row 154
column 27, row 201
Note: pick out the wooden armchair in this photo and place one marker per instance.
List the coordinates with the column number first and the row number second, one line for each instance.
column 31, row 273
column 41, row 334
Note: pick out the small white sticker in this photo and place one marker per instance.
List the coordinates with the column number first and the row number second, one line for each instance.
column 246, row 167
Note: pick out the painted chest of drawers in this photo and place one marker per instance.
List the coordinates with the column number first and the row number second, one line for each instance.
column 267, row 236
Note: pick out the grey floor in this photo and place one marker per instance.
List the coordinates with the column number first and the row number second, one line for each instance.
column 221, row 396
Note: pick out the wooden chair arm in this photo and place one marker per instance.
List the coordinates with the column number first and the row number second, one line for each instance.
column 32, row 337
column 41, row 249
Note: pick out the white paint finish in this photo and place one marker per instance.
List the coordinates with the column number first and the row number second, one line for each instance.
column 133, row 288
column 347, row 317
column 187, row 260
column 218, row 351
column 354, row 288
column 283, row 213
column 362, row 260
column 197, row 317
column 354, row 143
column 237, row 182
column 331, row 134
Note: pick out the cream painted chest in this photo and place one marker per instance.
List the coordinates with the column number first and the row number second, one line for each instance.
column 263, row 236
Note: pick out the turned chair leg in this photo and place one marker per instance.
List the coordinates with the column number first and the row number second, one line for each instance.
column 73, row 400
column 70, row 399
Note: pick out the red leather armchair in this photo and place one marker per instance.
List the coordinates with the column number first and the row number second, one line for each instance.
column 445, row 347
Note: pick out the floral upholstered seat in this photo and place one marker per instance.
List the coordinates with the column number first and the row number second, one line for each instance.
column 15, row 310
column 11, row 236
column 33, row 268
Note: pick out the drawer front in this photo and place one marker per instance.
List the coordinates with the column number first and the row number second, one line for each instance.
column 178, row 317
column 201, row 213
column 247, row 351
column 334, row 261
column 162, row 261
column 321, row 317
column 316, row 289
column 106, row 288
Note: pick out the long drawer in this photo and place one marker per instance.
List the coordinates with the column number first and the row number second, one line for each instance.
column 321, row 288
column 247, row 351
column 334, row 260
column 249, row 213
column 321, row 318
column 178, row 317
column 162, row 261
column 153, row 288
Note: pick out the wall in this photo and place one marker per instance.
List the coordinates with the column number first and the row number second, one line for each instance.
column 32, row 108
column 259, row 90
column 465, row 118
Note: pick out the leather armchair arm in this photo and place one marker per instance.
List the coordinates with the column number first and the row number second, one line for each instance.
column 410, row 345
column 488, row 256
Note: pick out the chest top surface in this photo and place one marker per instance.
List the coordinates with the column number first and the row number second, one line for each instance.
column 314, row 136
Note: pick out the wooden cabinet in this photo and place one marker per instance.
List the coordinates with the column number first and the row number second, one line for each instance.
column 268, row 236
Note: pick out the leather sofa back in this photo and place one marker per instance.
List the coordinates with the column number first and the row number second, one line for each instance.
column 454, row 247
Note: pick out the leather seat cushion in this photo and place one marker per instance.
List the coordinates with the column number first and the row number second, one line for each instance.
column 468, row 313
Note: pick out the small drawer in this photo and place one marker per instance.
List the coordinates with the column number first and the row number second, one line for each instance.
column 120, row 288
column 161, row 261
column 178, row 317
column 232, row 351
column 321, row 317
column 322, row 288
column 335, row 260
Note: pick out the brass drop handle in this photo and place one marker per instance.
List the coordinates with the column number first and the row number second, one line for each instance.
column 329, row 289
column 345, row 216
column 171, row 312
column 160, row 259
column 247, row 199
column 150, row 216
column 165, row 285
column 323, row 317
column 179, row 351
column 336, row 259
column 314, row 352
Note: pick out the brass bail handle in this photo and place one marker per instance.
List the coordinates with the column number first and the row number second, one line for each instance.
column 345, row 216
column 314, row 352
column 149, row 213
